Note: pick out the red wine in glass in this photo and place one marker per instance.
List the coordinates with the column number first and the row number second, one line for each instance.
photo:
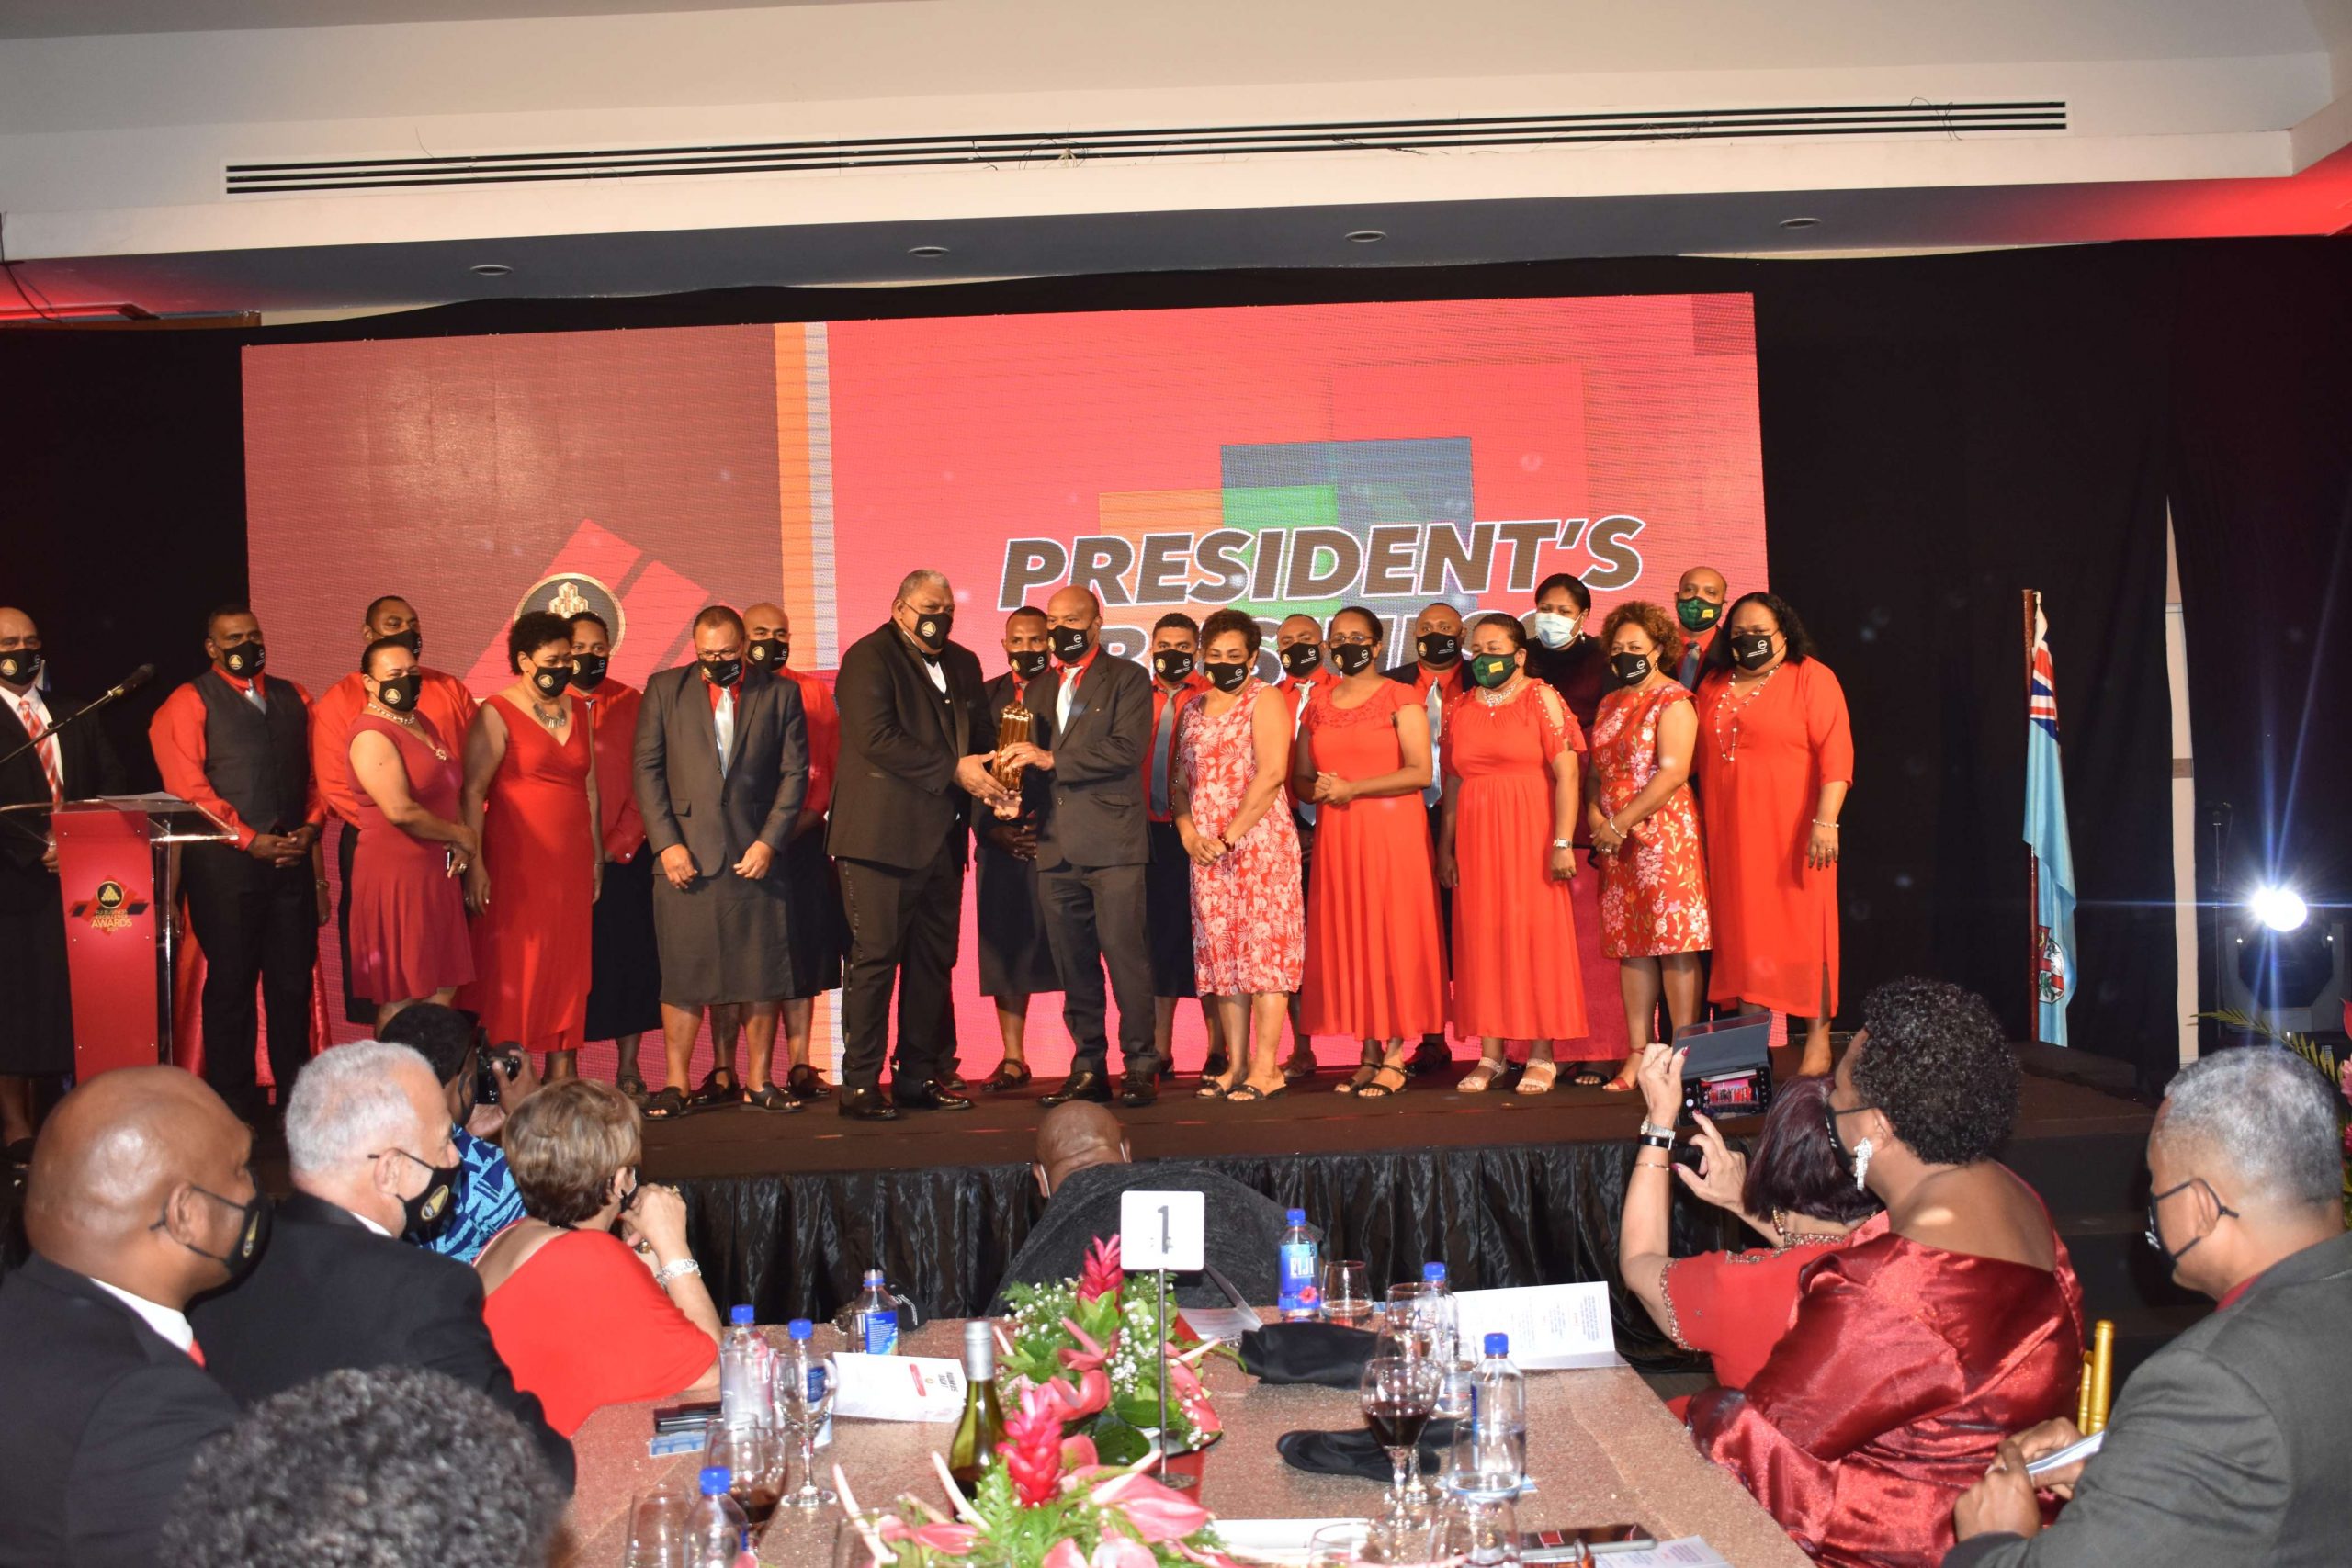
column 1397, row 1423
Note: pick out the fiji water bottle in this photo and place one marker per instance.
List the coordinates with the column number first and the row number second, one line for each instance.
column 1499, row 1416
column 1301, row 1268
column 877, row 1317
column 1443, row 1314
column 718, row 1532
column 742, row 1370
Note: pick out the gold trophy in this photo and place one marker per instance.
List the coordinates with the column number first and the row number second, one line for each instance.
column 1013, row 728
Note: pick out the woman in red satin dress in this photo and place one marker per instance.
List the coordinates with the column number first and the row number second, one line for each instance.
column 1914, row 1349
column 1775, row 760
column 531, row 791
column 1375, row 963
column 1506, row 824
column 408, row 910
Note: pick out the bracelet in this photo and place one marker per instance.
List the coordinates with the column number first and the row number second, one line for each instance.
column 1819, row 823
column 1652, row 1163
column 1651, row 1129
column 1652, row 1141
column 1563, row 843
column 678, row 1270
column 1612, row 821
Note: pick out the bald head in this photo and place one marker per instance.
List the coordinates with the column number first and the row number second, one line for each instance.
column 1073, row 1135
column 136, row 1180
column 21, row 637
column 767, row 619
column 14, row 622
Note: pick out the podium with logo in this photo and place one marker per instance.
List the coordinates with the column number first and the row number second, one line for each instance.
column 115, row 863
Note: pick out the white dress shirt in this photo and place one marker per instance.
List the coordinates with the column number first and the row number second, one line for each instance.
column 171, row 1325
column 37, row 723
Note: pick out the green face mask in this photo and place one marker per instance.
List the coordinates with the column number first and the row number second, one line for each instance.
column 1490, row 669
column 1696, row 615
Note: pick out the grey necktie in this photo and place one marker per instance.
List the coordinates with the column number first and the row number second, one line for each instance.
column 1161, row 735
column 1436, row 790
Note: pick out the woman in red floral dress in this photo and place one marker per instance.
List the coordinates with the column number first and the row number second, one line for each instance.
column 1248, row 912
column 1654, row 917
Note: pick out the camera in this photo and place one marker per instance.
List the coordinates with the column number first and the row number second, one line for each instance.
column 494, row 1067
column 1729, row 1070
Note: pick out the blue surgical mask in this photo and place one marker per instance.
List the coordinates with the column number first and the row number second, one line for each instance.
column 1555, row 630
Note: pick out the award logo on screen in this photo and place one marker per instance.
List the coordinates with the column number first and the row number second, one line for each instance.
column 574, row 593
column 109, row 908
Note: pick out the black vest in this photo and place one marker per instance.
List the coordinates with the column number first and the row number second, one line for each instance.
column 258, row 762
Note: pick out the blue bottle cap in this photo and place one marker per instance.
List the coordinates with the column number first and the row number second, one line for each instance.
column 1297, row 1216
column 800, row 1328
column 874, row 1277
column 716, row 1480
column 1497, row 1344
column 1433, row 1273
column 739, row 1317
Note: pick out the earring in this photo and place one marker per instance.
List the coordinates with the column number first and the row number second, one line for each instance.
column 1862, row 1165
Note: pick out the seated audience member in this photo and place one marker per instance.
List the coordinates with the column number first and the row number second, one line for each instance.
column 1911, row 1352
column 139, row 1197
column 487, row 1201
column 2229, row 1445
column 582, row 1319
column 1082, row 1166
column 1734, row 1305
column 394, row 1468
column 368, row 1137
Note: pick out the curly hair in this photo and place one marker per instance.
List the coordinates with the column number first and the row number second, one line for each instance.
column 1793, row 1167
column 1659, row 627
column 1229, row 620
column 1784, row 614
column 396, row 1467
column 1939, row 1067
column 533, row 631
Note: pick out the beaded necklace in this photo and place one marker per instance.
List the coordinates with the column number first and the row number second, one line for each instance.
column 407, row 722
column 1725, row 709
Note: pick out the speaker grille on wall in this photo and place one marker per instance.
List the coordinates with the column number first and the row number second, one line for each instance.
column 1914, row 119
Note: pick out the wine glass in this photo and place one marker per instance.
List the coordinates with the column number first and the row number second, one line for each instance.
column 1398, row 1394
column 657, row 1530
column 1482, row 1531
column 754, row 1454
column 1347, row 1292
column 1403, row 1332
column 803, row 1396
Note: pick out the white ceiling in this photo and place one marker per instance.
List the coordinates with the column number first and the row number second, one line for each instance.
column 86, row 19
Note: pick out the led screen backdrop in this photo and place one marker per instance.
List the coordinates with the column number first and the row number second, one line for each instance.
column 1278, row 458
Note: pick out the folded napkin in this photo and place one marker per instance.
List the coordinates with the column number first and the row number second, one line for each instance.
column 1354, row 1452
column 1325, row 1353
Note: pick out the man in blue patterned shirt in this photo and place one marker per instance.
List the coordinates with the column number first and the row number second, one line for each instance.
column 487, row 1199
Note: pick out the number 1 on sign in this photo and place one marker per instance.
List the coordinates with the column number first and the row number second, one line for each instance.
column 1163, row 1230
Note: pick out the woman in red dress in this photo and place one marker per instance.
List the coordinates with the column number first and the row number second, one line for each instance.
column 1644, row 828
column 1736, row 1305
column 1376, row 963
column 1918, row 1346
column 1505, row 830
column 582, row 1316
column 531, row 792
column 408, row 912
column 1775, row 760
column 1249, row 911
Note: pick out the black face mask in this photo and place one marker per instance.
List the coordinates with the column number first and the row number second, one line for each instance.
column 252, row 1232
column 1170, row 665
column 1300, row 660
column 245, row 660
column 398, row 693
column 932, row 631
column 413, row 641
column 768, row 652
column 1070, row 643
column 20, row 666
column 722, row 671
column 426, row 1214
column 1631, row 668
column 551, row 683
column 1351, row 658
column 1029, row 663
column 1226, row 677
column 1438, row 648
column 2155, row 1236
column 588, row 670
column 1752, row 650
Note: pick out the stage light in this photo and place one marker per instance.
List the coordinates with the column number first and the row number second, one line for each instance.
column 1367, row 236
column 1800, row 222
column 928, row 253
column 490, row 269
column 2280, row 908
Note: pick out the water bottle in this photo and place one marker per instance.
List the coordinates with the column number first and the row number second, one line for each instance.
column 1499, row 1416
column 717, row 1535
column 1301, row 1268
column 1442, row 1314
column 877, row 1317
column 803, row 1385
column 742, row 1370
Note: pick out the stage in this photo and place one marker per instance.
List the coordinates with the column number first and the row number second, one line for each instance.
column 787, row 1210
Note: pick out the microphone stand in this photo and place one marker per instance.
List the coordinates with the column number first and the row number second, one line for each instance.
column 130, row 683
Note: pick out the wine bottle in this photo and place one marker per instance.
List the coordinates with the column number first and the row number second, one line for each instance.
column 973, row 1454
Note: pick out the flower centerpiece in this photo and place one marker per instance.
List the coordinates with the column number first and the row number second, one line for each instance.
column 1094, row 1345
column 1050, row 1503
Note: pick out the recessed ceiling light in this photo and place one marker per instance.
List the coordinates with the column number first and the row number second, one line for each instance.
column 927, row 253
column 490, row 269
column 1800, row 222
column 1367, row 236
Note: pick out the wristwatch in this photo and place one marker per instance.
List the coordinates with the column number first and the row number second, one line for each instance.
column 1562, row 844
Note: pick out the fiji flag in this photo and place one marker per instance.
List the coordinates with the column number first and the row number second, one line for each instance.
column 2045, row 835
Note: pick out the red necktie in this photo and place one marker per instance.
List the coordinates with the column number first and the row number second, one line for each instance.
column 46, row 749
column 196, row 1352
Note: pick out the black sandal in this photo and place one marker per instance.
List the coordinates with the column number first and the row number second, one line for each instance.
column 631, row 1085
column 667, row 1105
column 1244, row 1091
column 805, row 1082
column 1212, row 1090
column 1008, row 1075
column 1587, row 1078
column 1366, row 1070
column 709, row 1093
column 767, row 1096
column 1375, row 1090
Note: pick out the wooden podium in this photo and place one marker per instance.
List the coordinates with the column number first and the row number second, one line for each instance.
column 115, row 861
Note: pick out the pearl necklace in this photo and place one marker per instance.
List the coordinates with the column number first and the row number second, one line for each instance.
column 1497, row 696
column 408, row 723
column 1725, row 709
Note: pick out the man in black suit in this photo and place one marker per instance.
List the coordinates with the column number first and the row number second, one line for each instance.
column 368, row 1135
column 917, row 743
column 37, row 1025
column 139, row 1197
column 1093, row 847
column 2229, row 1445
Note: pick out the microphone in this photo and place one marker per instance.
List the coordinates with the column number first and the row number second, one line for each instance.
column 129, row 682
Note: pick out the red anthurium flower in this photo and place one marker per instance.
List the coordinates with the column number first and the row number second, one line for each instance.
column 1091, row 1395
column 1156, row 1512
column 1088, row 1355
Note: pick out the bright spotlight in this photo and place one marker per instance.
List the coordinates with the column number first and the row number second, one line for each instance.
column 2280, row 908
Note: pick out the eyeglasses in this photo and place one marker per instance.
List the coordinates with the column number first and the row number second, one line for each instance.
column 2155, row 1239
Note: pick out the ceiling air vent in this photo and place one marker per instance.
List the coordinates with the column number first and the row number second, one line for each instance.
column 1914, row 119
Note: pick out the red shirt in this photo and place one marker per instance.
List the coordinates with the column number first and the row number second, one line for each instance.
column 583, row 1326
column 1193, row 686
column 176, row 736
column 612, row 719
column 441, row 698
column 824, row 721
